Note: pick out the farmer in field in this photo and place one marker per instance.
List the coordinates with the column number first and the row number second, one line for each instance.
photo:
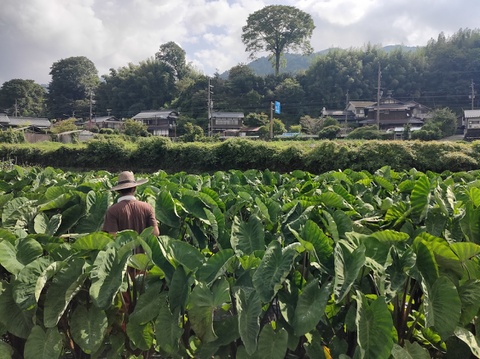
column 128, row 212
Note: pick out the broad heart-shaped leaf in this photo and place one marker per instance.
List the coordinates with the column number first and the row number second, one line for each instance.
column 470, row 339
column 6, row 351
column 107, row 275
column 249, row 309
column 310, row 306
column 347, row 267
column 469, row 293
column 194, row 205
column 426, row 262
column 148, row 304
column 25, row 283
column 247, row 237
column 179, row 252
column 28, row 249
column 271, row 344
column 18, row 211
column 43, row 345
column 8, row 258
column 44, row 225
column 88, row 327
column 178, row 290
column 167, row 328
column 215, row 266
column 420, row 196
column 17, row 321
column 96, row 206
column 166, row 211
column 93, row 241
column 70, row 217
column 141, row 335
column 159, row 259
column 374, row 328
column 202, row 304
column 410, row 351
column 470, row 223
column 322, row 244
column 442, row 306
column 65, row 285
column 273, row 269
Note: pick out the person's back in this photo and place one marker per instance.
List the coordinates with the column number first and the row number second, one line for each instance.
column 128, row 212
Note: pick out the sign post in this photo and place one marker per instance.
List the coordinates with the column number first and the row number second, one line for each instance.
column 273, row 106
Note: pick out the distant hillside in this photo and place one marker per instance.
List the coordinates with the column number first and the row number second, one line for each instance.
column 297, row 63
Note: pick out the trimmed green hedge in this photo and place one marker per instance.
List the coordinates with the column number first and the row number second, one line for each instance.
column 153, row 154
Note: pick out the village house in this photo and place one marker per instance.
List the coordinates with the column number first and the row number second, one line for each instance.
column 105, row 122
column 159, row 122
column 34, row 123
column 393, row 113
column 471, row 123
column 227, row 123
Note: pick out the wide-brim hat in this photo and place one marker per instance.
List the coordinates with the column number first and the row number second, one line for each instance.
column 126, row 179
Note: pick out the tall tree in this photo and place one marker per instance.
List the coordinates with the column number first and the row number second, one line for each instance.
column 172, row 55
column 278, row 29
column 22, row 98
column 74, row 79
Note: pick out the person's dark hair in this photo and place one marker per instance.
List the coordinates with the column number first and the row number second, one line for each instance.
column 126, row 191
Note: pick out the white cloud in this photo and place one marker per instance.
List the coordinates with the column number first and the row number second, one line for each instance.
column 112, row 33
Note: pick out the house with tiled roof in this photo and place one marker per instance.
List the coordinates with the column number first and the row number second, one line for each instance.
column 394, row 113
column 227, row 123
column 105, row 122
column 159, row 122
column 471, row 121
column 30, row 122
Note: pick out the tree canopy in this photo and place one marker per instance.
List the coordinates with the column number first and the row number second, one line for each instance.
column 23, row 98
column 278, row 29
column 73, row 81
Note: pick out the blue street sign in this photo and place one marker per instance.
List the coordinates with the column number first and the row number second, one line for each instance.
column 277, row 107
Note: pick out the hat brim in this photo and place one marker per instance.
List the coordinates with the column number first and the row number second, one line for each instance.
column 129, row 184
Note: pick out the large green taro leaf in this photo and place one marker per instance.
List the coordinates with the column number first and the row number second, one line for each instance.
column 43, row 344
column 202, row 303
column 310, row 306
column 273, row 269
column 248, row 236
column 374, row 328
column 348, row 264
column 166, row 211
column 249, row 308
column 65, row 285
column 107, row 276
column 19, row 322
column 88, row 327
column 167, row 328
column 442, row 306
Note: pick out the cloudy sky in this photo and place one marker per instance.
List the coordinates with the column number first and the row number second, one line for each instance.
column 112, row 33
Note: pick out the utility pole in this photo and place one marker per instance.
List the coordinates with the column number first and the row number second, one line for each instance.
column 16, row 108
column 209, row 108
column 473, row 94
column 91, row 106
column 346, row 110
column 378, row 96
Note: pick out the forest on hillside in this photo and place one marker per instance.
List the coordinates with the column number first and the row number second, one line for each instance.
column 443, row 73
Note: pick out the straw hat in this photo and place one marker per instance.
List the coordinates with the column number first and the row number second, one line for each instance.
column 126, row 179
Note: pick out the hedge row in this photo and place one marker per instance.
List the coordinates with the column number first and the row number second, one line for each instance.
column 153, row 154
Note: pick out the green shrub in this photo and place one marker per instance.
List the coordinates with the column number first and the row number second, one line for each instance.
column 365, row 133
column 329, row 132
column 11, row 136
column 459, row 161
column 107, row 131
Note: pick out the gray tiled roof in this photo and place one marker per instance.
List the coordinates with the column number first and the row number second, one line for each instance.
column 228, row 114
column 155, row 114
